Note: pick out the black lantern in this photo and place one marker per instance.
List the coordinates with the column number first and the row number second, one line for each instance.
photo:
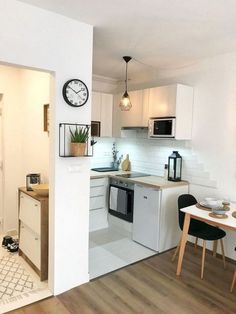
column 174, row 166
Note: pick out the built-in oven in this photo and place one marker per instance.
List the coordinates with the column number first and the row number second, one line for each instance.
column 121, row 199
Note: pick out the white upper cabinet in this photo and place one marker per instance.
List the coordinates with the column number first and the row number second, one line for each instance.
column 116, row 116
column 106, row 115
column 102, row 105
column 162, row 101
column 173, row 101
column 166, row 101
column 138, row 115
column 133, row 117
column 96, row 106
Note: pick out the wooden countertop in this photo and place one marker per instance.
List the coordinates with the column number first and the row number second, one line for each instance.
column 97, row 175
column 149, row 181
column 33, row 194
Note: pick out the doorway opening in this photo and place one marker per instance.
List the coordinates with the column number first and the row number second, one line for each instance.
column 24, row 150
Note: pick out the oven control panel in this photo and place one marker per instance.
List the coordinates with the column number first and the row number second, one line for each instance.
column 122, row 183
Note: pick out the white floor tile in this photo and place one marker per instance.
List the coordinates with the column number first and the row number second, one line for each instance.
column 102, row 262
column 113, row 248
column 128, row 250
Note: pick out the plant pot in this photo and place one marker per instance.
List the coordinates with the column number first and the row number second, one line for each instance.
column 77, row 149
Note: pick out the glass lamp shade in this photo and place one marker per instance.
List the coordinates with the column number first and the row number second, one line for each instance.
column 125, row 103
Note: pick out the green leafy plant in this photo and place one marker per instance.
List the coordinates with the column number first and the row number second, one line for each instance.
column 79, row 135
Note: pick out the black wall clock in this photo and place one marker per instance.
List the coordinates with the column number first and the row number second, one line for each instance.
column 75, row 93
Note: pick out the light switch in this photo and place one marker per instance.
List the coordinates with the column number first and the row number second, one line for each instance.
column 74, row 168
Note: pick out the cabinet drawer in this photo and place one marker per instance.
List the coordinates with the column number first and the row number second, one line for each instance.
column 97, row 182
column 98, row 219
column 97, row 202
column 30, row 244
column 30, row 210
column 97, row 191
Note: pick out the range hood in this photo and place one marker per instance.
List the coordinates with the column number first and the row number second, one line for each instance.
column 134, row 128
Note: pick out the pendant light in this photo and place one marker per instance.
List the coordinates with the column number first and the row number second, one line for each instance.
column 125, row 103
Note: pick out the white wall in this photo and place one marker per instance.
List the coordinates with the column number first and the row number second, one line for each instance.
column 35, row 89
column 39, row 39
column 102, row 154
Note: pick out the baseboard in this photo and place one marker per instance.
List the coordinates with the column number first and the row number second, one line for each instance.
column 12, row 232
column 228, row 259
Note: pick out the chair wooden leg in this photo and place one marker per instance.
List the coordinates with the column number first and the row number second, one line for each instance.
column 195, row 245
column 233, row 282
column 203, row 258
column 176, row 252
column 215, row 243
column 222, row 251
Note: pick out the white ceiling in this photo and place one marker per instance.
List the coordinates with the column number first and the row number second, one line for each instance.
column 161, row 33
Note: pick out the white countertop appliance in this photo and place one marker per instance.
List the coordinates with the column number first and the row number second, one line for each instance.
column 161, row 127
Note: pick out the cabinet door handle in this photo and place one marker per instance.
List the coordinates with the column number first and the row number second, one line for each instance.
column 36, row 205
column 36, row 239
column 145, row 197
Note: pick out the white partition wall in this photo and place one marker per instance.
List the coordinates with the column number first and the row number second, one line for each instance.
column 39, row 39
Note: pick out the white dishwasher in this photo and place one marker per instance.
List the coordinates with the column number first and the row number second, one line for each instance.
column 146, row 216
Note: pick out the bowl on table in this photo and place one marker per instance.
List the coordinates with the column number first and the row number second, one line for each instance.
column 212, row 202
column 41, row 189
column 219, row 210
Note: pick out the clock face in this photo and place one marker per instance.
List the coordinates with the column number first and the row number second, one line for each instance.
column 75, row 93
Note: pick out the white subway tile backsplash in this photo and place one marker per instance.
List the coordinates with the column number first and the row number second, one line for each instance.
column 150, row 156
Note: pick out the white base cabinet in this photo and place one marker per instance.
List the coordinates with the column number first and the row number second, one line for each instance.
column 169, row 218
column 146, row 216
column 30, row 244
column 33, row 231
column 156, row 222
column 98, row 212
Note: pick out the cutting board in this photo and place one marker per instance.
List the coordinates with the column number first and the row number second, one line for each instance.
column 125, row 166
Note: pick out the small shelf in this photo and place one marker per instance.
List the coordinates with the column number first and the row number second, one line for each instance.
column 64, row 140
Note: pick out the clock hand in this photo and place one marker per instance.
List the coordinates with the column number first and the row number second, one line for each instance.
column 80, row 97
column 72, row 89
column 79, row 91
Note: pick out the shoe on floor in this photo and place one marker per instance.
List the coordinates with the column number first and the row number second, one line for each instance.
column 13, row 248
column 15, row 241
column 7, row 240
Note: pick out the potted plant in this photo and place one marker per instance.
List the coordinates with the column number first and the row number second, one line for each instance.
column 79, row 138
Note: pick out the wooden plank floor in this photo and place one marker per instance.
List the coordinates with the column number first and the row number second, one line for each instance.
column 149, row 287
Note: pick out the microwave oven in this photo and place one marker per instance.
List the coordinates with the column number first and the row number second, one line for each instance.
column 161, row 127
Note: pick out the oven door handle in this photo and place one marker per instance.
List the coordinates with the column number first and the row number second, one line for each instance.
column 130, row 201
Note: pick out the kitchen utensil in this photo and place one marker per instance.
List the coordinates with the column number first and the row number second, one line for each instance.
column 31, row 180
column 218, row 210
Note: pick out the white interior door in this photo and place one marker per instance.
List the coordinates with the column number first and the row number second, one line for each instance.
column 1, row 165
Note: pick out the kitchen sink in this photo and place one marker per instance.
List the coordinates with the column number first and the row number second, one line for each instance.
column 104, row 169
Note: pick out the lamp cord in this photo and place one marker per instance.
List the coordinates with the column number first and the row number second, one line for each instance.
column 126, row 76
